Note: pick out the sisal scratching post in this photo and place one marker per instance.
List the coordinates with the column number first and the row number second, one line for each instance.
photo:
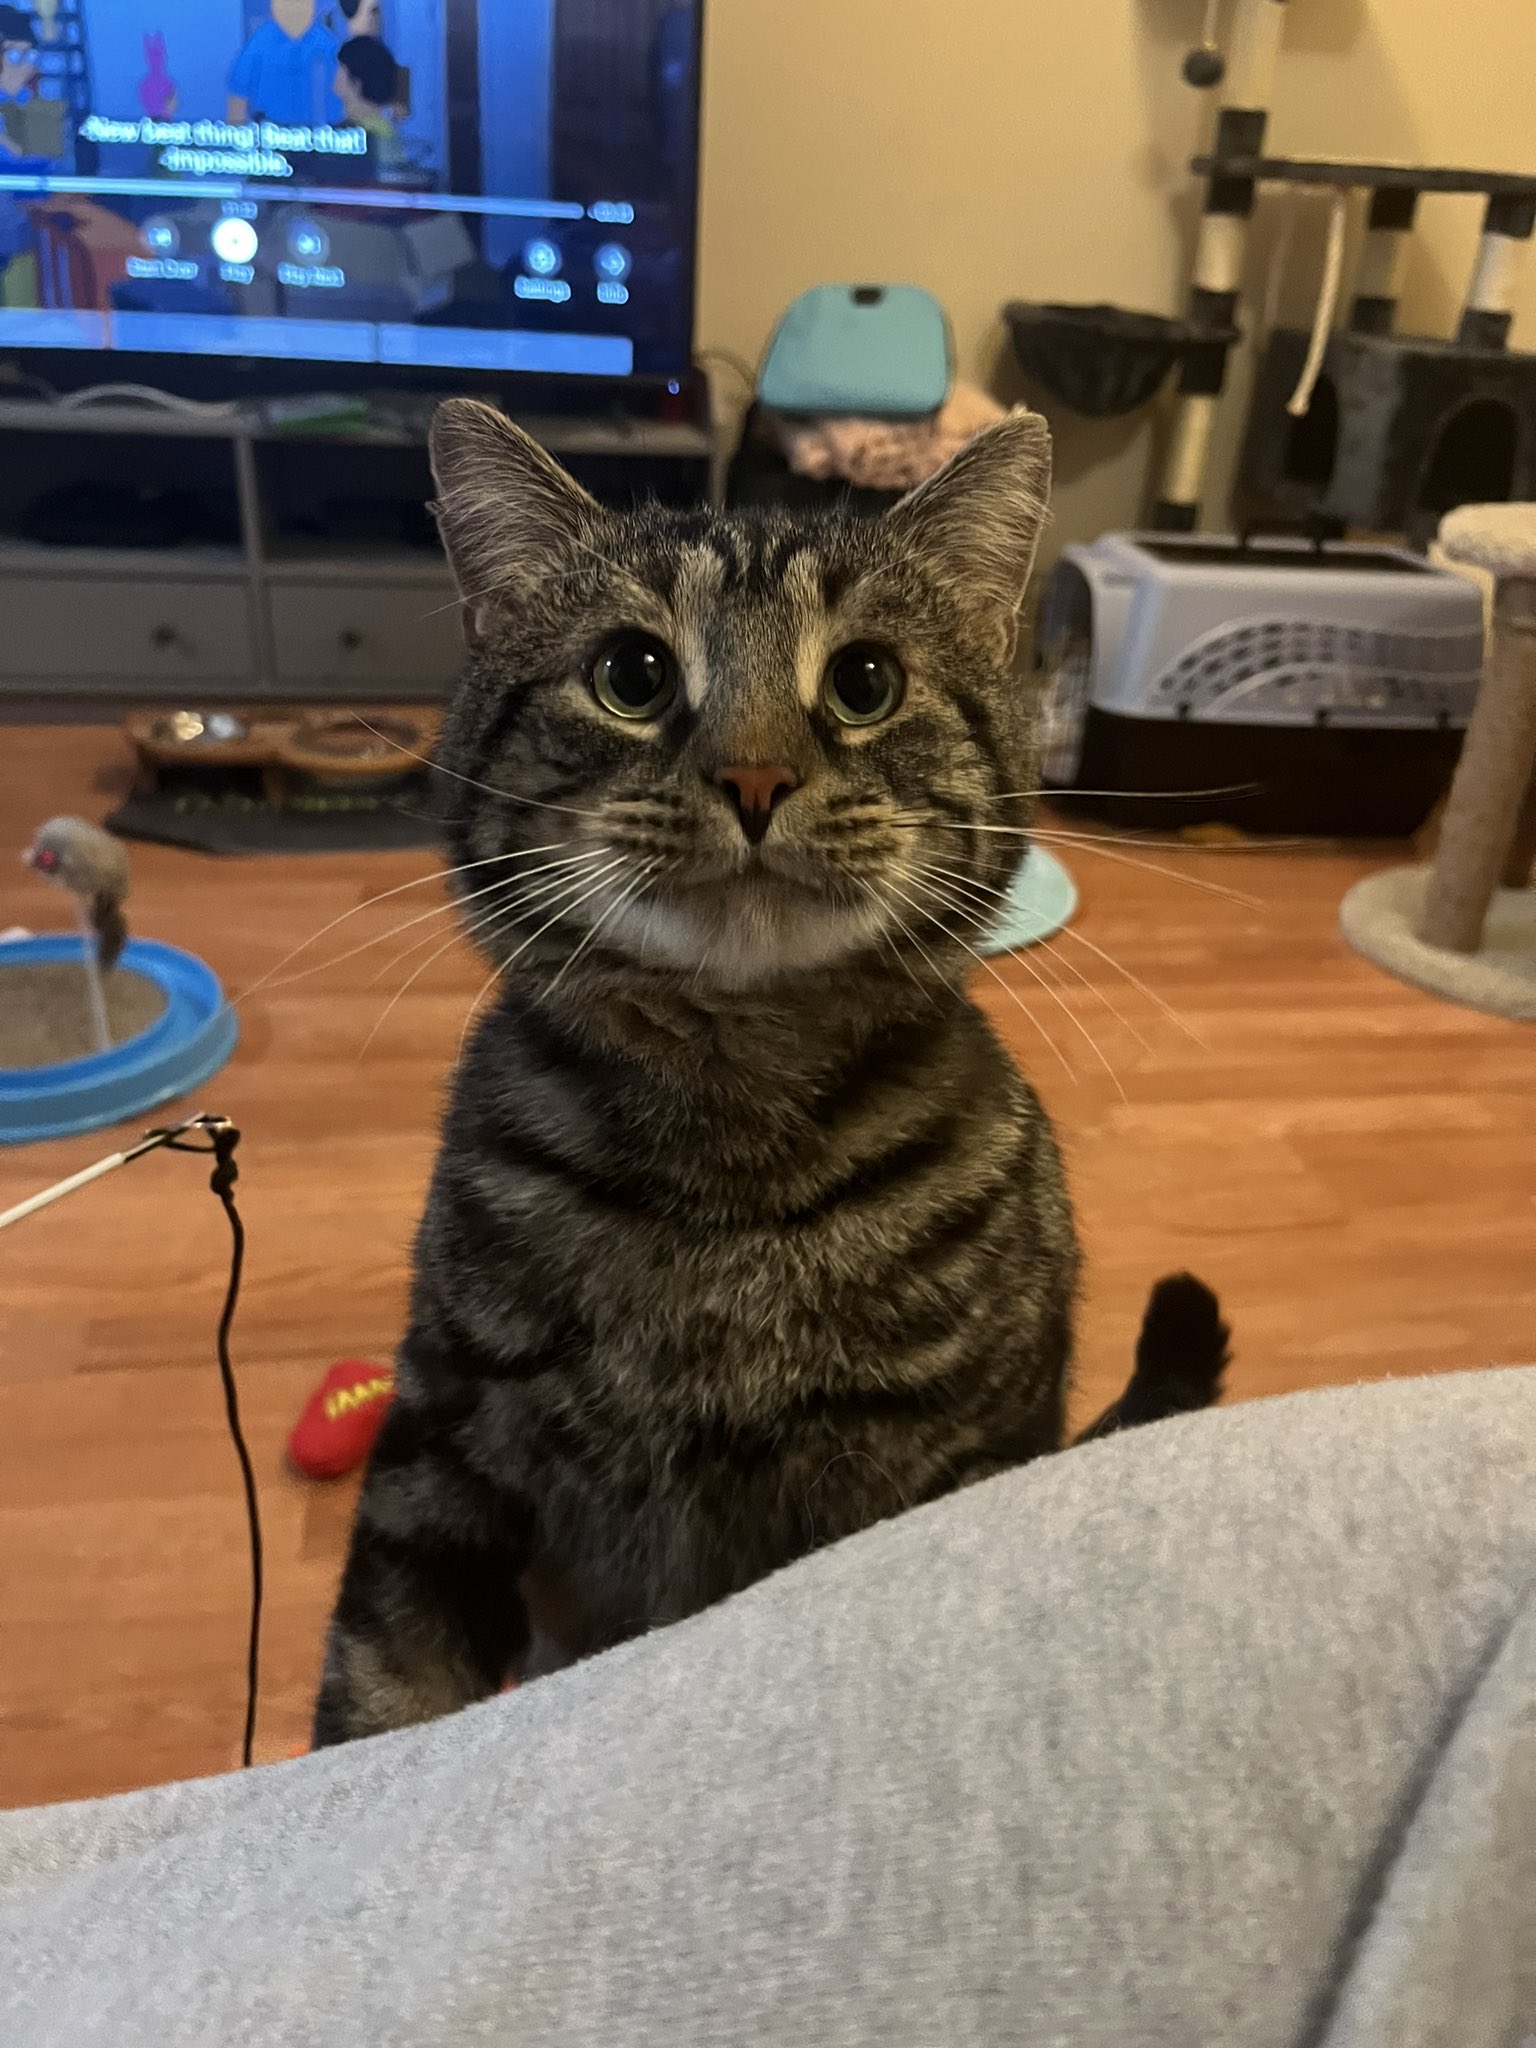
column 1522, row 848
column 1451, row 928
column 1484, row 820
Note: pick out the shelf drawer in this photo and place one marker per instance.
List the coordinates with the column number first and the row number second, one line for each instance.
column 182, row 633
column 355, row 635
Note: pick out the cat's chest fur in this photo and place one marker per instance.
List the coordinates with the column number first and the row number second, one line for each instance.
column 728, row 1221
column 675, row 1288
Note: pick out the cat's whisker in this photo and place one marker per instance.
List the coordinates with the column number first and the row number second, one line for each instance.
column 988, row 901
column 1046, row 951
column 982, row 924
column 576, row 882
column 416, row 882
column 1150, row 867
column 1173, row 845
column 889, row 910
column 883, row 938
column 449, row 904
column 1128, row 838
column 438, row 911
column 1172, row 796
column 596, row 882
column 959, row 880
column 504, row 796
column 620, row 902
column 1180, row 1022
column 454, row 604
column 1012, row 993
column 1030, row 968
column 455, row 937
column 837, row 1458
column 1044, row 837
column 509, row 893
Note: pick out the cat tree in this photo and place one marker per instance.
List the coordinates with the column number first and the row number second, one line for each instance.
column 1380, row 430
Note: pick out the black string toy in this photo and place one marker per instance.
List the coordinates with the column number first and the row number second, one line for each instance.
column 216, row 1138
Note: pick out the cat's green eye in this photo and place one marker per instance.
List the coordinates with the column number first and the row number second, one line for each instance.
column 863, row 683
column 635, row 676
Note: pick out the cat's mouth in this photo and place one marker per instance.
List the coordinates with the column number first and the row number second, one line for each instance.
column 763, row 881
column 745, row 926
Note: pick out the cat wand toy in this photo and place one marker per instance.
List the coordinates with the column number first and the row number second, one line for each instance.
column 222, row 1136
column 150, row 1142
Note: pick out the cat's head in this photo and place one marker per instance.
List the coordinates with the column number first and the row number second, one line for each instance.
column 745, row 746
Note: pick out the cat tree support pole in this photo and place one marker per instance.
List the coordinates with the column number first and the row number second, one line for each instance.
column 1213, row 297
column 1489, row 311
column 1383, row 257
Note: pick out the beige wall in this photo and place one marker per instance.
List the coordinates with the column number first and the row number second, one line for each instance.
column 993, row 149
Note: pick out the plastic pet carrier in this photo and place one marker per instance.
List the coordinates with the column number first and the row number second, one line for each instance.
column 1326, row 687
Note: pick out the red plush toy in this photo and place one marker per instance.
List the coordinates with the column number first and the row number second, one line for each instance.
column 341, row 1419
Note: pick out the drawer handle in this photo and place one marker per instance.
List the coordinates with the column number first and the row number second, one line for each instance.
column 351, row 639
column 165, row 636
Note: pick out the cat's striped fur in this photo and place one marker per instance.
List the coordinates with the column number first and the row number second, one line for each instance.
column 744, row 1231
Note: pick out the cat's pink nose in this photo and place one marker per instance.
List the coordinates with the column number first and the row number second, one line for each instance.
column 756, row 793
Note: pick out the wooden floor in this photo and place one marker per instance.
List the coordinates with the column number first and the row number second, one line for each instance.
column 1352, row 1164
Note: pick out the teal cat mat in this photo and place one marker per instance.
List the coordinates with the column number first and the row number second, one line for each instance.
column 1043, row 898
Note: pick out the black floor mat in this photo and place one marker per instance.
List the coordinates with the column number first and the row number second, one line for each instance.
column 226, row 817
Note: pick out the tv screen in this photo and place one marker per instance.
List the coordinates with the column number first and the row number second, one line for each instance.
column 470, row 185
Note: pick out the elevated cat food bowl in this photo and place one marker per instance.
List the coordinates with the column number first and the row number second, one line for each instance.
column 188, row 1035
column 361, row 748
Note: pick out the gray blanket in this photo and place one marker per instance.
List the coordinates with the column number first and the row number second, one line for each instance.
column 1220, row 1733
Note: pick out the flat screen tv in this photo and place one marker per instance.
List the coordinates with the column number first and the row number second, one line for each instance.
column 389, row 188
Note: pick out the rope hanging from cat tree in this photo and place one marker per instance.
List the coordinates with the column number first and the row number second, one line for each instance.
column 1300, row 402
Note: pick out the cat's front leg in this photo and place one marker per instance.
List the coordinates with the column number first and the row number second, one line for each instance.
column 429, row 1617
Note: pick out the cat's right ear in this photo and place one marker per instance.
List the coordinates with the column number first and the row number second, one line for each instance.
column 508, row 513
column 976, row 521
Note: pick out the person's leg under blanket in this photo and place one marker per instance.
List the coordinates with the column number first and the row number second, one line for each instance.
column 1220, row 1732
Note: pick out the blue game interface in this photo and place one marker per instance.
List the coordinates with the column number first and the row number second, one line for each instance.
column 500, row 185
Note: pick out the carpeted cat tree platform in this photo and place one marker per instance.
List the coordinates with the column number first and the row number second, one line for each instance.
column 1465, row 928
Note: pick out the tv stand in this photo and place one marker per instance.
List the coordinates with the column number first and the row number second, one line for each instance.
column 205, row 555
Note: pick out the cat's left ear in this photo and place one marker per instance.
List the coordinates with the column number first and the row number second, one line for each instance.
column 508, row 513
column 978, row 520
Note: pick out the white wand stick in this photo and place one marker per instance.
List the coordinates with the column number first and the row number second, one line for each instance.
column 150, row 1142
column 90, row 961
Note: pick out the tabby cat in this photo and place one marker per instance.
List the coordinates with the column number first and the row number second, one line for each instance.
column 745, row 1231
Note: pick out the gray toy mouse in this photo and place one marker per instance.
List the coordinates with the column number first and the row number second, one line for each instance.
column 93, row 867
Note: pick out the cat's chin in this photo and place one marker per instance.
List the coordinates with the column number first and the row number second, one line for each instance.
column 747, row 930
